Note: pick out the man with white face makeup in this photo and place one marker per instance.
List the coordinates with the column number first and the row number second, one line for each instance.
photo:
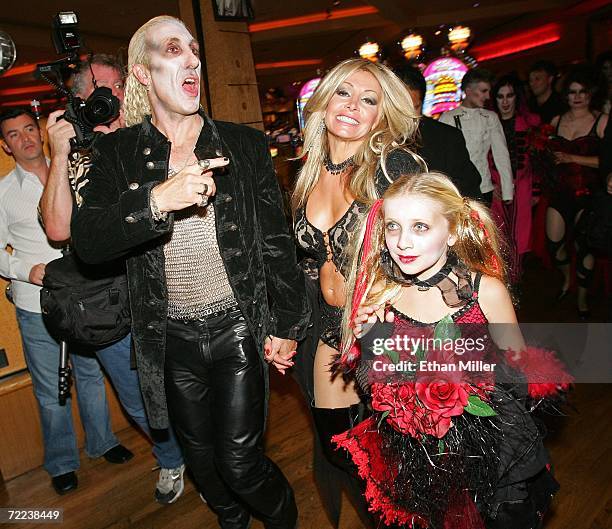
column 215, row 291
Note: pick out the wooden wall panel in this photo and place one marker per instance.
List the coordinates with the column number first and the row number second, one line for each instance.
column 20, row 441
column 10, row 339
column 21, row 447
column 7, row 163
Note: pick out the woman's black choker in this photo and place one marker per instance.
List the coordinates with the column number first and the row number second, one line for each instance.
column 337, row 168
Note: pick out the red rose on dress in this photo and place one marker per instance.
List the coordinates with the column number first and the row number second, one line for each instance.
column 384, row 396
column 443, row 399
column 405, row 413
column 410, row 419
column 442, row 394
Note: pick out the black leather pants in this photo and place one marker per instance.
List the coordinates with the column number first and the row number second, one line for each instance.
column 215, row 391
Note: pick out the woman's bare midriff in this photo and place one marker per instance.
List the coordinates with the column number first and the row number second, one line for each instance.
column 333, row 284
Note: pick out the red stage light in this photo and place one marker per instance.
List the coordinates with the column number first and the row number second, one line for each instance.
column 20, row 70
column 26, row 102
column 27, row 90
column 287, row 64
column 525, row 40
column 314, row 17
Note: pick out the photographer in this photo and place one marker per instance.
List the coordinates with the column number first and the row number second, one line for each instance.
column 56, row 202
column 20, row 191
column 56, row 210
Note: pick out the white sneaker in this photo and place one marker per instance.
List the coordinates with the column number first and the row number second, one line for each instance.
column 170, row 484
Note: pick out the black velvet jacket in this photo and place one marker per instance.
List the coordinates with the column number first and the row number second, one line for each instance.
column 257, row 248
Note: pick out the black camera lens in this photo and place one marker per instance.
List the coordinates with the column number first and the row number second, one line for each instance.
column 101, row 107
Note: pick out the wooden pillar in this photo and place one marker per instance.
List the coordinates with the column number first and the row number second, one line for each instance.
column 230, row 87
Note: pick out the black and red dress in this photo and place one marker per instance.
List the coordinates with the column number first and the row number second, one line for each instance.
column 481, row 472
column 574, row 182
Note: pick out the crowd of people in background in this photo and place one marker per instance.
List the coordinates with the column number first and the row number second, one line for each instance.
column 534, row 155
column 546, row 171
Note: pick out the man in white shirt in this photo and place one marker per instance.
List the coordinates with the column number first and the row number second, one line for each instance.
column 483, row 132
column 20, row 191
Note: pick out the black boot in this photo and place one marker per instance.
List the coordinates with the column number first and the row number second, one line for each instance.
column 335, row 470
column 330, row 422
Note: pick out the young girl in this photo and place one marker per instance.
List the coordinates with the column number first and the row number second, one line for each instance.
column 446, row 447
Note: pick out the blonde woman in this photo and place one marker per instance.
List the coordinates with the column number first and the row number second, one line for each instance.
column 359, row 135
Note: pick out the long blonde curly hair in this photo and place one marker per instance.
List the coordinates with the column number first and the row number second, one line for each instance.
column 478, row 242
column 135, row 101
column 397, row 128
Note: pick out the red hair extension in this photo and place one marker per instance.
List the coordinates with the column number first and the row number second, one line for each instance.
column 361, row 284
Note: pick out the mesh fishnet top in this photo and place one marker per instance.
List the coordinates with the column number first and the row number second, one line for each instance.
column 197, row 282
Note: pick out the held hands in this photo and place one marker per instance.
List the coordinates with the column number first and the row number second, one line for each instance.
column 279, row 352
column 188, row 187
column 37, row 273
column 366, row 317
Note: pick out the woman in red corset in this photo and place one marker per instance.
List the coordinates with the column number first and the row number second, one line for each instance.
column 576, row 147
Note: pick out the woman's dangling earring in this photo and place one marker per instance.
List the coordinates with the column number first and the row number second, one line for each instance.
column 317, row 141
column 322, row 127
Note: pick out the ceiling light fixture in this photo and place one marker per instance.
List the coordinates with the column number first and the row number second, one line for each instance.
column 412, row 45
column 38, row 89
column 459, row 38
column 287, row 64
column 8, row 52
column 369, row 51
column 525, row 40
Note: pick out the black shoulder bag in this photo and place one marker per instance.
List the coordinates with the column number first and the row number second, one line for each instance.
column 85, row 304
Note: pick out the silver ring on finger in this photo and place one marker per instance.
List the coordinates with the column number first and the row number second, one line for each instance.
column 204, row 164
column 203, row 201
